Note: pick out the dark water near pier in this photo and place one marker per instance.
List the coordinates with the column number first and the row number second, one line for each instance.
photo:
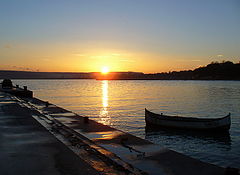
column 121, row 104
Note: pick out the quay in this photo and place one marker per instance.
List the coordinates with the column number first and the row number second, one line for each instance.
column 28, row 148
column 7, row 86
column 38, row 137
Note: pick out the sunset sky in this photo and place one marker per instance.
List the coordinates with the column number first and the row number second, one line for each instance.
column 120, row 35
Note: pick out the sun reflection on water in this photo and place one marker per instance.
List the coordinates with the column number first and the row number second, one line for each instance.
column 105, row 118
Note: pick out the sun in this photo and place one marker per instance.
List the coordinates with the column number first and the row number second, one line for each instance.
column 105, row 70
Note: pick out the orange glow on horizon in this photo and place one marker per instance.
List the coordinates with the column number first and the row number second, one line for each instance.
column 53, row 59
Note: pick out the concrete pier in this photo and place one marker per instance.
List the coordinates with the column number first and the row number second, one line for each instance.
column 27, row 146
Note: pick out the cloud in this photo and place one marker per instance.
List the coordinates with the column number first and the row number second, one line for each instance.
column 43, row 58
column 19, row 68
column 187, row 60
column 116, row 54
column 219, row 55
column 126, row 60
column 7, row 46
column 78, row 55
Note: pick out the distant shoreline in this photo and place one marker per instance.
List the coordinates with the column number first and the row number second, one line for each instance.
column 213, row 71
column 120, row 79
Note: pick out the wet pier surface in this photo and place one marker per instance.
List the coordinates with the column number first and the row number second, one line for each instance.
column 28, row 148
column 25, row 143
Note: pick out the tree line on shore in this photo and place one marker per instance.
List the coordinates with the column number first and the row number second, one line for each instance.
column 225, row 70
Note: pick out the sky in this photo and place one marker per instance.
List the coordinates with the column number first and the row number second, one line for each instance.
column 124, row 35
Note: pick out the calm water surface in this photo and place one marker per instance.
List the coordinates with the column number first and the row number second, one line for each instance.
column 121, row 104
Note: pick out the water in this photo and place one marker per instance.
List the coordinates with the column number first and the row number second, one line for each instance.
column 121, row 104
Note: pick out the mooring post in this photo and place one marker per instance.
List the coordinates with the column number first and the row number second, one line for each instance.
column 46, row 104
column 85, row 119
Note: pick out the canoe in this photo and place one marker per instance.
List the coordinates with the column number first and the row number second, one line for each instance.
column 158, row 121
